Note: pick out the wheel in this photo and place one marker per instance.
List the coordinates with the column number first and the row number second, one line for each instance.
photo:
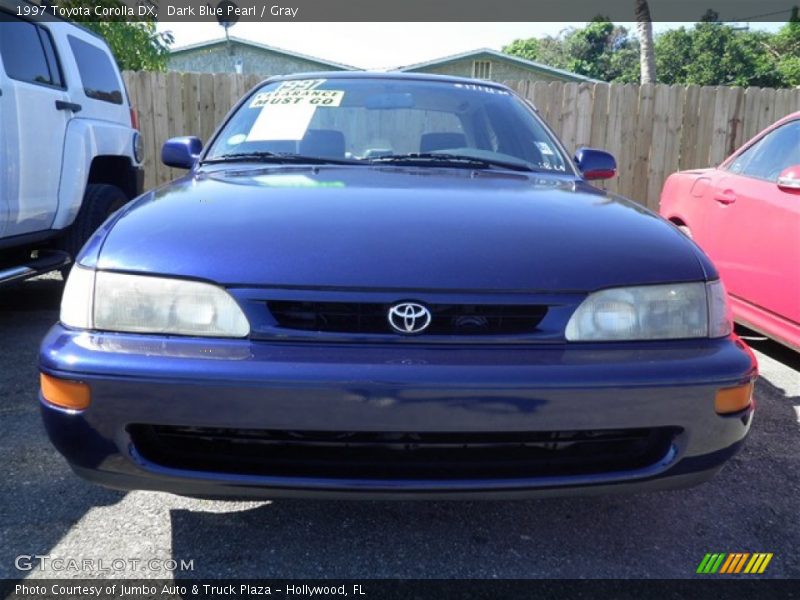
column 99, row 201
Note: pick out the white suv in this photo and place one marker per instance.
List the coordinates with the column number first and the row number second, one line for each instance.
column 70, row 150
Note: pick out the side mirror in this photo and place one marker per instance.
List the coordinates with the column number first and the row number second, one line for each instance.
column 595, row 164
column 789, row 179
column 181, row 152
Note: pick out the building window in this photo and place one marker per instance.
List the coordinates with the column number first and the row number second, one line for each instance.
column 482, row 69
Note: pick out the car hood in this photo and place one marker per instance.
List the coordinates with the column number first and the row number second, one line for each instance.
column 395, row 228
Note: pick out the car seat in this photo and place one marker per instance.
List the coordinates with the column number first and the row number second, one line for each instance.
column 327, row 143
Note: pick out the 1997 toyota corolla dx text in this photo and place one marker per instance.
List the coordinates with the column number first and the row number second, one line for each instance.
column 392, row 285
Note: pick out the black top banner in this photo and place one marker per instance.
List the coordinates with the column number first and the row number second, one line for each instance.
column 401, row 10
column 400, row 589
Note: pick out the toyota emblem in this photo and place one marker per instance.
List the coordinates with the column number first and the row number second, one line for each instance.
column 409, row 318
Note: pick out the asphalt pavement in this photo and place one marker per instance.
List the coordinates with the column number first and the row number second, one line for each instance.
column 45, row 510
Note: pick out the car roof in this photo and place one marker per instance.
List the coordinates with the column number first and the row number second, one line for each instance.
column 787, row 118
column 753, row 140
column 394, row 75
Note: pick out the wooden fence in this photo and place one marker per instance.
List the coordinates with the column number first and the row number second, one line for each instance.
column 653, row 130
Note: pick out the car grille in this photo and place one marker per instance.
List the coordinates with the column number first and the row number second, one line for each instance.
column 371, row 318
column 371, row 455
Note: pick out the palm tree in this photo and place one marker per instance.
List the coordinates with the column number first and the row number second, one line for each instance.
column 647, row 55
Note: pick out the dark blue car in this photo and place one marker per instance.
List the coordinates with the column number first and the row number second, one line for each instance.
column 392, row 285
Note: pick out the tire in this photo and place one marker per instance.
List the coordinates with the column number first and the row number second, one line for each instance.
column 99, row 201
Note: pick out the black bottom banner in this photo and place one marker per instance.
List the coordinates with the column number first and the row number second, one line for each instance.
column 405, row 589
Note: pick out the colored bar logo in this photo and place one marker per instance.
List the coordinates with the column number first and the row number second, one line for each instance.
column 735, row 562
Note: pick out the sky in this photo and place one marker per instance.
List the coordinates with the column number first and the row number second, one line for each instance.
column 382, row 45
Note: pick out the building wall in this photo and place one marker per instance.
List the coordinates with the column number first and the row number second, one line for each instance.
column 255, row 61
column 501, row 71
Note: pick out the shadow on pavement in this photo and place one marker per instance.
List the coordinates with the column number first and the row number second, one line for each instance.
column 750, row 506
column 40, row 497
column 782, row 354
column 42, row 294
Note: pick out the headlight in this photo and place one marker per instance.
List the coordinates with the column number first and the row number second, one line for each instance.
column 653, row 312
column 720, row 316
column 142, row 304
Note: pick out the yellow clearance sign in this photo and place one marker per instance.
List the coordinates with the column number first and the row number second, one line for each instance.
column 298, row 97
column 298, row 92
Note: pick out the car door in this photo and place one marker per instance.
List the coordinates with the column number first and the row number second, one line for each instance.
column 34, row 111
column 754, row 226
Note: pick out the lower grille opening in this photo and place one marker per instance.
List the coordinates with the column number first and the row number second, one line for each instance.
column 447, row 319
column 370, row 455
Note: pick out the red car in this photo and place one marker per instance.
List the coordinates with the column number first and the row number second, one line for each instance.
column 745, row 214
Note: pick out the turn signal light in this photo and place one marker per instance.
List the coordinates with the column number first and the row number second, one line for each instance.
column 73, row 395
column 733, row 400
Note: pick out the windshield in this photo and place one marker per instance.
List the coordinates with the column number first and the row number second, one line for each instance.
column 384, row 120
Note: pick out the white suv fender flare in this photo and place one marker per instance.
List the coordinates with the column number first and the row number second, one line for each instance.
column 85, row 139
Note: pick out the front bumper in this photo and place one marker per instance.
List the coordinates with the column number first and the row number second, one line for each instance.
column 369, row 389
column 137, row 182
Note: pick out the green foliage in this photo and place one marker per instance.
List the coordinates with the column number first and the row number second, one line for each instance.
column 528, row 49
column 707, row 53
column 789, row 69
column 601, row 50
column 137, row 46
column 671, row 49
column 716, row 54
column 786, row 46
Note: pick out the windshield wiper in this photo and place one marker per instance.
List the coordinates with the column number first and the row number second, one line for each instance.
column 277, row 157
column 427, row 158
column 443, row 158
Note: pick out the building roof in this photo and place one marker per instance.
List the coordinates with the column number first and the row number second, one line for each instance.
column 516, row 60
column 265, row 48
